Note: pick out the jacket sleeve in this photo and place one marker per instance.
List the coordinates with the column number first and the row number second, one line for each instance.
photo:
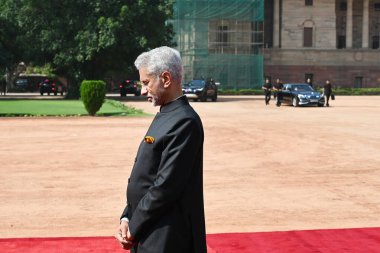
column 125, row 213
column 177, row 160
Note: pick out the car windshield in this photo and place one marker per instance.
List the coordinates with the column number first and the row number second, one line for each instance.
column 196, row 84
column 22, row 82
column 302, row 87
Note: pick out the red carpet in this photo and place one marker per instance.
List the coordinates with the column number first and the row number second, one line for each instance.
column 361, row 240
column 364, row 240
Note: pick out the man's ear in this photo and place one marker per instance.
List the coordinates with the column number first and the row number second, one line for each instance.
column 166, row 79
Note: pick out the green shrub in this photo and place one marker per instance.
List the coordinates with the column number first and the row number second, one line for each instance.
column 357, row 91
column 241, row 92
column 93, row 93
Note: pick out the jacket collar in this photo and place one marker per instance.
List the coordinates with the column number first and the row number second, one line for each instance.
column 181, row 101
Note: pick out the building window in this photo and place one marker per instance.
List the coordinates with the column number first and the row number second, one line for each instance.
column 377, row 6
column 222, row 36
column 235, row 37
column 307, row 36
column 343, row 6
column 358, row 82
column 341, row 42
column 309, row 2
column 375, row 42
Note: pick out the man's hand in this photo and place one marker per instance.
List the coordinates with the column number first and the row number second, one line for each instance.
column 124, row 236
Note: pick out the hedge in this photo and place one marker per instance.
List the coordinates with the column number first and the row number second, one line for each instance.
column 337, row 91
column 93, row 93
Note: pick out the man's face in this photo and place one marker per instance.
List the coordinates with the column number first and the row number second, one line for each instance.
column 152, row 87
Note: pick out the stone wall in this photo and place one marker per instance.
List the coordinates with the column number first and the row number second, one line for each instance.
column 295, row 15
column 340, row 66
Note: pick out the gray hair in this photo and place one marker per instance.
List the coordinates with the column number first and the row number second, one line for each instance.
column 161, row 59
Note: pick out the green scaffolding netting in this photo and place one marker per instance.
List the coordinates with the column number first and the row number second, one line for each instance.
column 221, row 39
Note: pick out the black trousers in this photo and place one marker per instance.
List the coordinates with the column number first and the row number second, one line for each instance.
column 267, row 97
column 279, row 97
column 327, row 98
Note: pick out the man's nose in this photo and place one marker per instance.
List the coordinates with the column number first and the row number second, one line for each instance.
column 144, row 91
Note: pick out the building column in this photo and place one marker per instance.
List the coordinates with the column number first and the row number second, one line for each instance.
column 349, row 24
column 276, row 24
column 365, row 24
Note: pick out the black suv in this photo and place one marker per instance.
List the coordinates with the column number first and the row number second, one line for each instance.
column 129, row 87
column 50, row 86
column 201, row 89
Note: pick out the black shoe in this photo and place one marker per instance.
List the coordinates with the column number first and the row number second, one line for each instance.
column 327, row 105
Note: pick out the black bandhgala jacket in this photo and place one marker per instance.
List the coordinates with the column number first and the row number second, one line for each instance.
column 165, row 190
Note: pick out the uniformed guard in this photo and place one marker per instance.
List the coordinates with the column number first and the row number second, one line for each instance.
column 277, row 88
column 327, row 90
column 267, row 87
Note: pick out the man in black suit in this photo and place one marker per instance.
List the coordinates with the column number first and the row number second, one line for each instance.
column 327, row 90
column 277, row 94
column 267, row 87
column 165, row 210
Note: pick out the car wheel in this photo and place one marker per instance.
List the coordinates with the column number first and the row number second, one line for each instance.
column 203, row 98
column 295, row 102
column 320, row 105
column 214, row 98
column 195, row 99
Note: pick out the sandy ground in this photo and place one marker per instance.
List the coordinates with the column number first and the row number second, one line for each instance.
column 265, row 169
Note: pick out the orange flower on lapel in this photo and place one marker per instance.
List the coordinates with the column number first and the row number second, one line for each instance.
column 149, row 139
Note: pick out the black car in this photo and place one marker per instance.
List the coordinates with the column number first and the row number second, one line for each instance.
column 298, row 94
column 50, row 86
column 129, row 87
column 21, row 85
column 201, row 89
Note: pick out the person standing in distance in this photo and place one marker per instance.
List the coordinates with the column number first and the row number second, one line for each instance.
column 165, row 207
column 327, row 90
column 277, row 91
column 309, row 82
column 267, row 87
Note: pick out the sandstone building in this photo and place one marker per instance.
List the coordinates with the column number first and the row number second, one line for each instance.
column 323, row 39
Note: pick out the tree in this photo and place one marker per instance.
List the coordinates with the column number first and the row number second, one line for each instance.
column 10, row 52
column 84, row 39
